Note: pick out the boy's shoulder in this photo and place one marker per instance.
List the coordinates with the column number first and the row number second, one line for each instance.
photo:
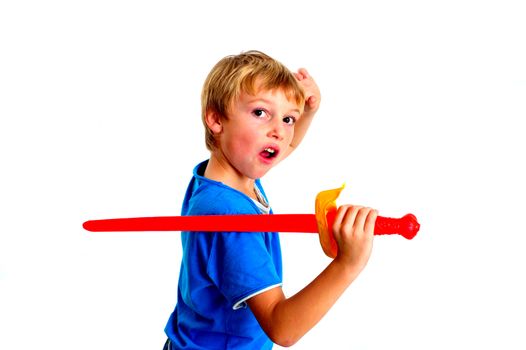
column 218, row 199
column 209, row 197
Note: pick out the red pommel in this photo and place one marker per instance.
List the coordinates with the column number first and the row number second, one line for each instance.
column 406, row 226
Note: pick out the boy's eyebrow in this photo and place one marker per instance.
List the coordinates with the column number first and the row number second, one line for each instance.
column 260, row 99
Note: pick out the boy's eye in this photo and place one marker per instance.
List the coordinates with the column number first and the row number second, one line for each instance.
column 259, row 113
column 289, row 120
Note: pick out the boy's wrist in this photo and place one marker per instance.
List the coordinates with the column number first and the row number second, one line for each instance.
column 346, row 269
column 307, row 115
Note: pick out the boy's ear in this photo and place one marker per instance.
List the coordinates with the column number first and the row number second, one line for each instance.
column 214, row 122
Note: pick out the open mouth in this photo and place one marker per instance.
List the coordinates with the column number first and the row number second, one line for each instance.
column 269, row 153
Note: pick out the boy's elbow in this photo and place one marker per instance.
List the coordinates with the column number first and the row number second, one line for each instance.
column 284, row 337
column 275, row 318
column 284, row 341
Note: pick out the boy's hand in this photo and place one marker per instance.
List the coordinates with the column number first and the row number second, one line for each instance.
column 312, row 92
column 354, row 232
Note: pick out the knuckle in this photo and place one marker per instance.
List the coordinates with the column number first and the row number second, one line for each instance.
column 357, row 208
column 347, row 227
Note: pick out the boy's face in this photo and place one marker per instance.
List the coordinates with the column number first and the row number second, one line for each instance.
column 257, row 132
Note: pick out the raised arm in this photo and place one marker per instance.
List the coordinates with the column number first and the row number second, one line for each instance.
column 284, row 320
column 312, row 103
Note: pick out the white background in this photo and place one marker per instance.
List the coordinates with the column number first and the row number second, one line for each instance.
column 422, row 101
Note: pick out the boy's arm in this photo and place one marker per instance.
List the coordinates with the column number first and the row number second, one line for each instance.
column 284, row 320
column 312, row 103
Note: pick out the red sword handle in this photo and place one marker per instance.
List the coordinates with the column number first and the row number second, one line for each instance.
column 406, row 226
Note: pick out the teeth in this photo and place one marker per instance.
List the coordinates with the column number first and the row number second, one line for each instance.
column 270, row 150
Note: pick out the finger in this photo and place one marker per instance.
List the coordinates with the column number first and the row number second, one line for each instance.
column 371, row 220
column 338, row 219
column 311, row 101
column 348, row 223
column 361, row 217
column 304, row 73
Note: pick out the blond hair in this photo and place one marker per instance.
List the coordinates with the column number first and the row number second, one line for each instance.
column 240, row 73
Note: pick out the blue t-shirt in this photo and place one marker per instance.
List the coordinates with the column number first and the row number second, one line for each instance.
column 220, row 271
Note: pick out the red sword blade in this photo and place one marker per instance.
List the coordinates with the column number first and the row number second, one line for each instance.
column 211, row 223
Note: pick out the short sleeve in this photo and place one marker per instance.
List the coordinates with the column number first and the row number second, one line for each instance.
column 241, row 264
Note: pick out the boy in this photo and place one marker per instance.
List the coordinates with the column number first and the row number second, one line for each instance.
column 255, row 113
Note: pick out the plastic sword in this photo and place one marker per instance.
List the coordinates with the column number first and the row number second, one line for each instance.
column 321, row 222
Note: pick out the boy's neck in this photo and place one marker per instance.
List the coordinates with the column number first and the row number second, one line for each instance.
column 219, row 170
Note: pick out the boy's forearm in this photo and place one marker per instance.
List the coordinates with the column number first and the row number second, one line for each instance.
column 295, row 316
column 300, row 129
column 312, row 103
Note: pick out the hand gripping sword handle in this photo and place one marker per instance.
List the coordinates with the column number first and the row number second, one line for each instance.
column 406, row 226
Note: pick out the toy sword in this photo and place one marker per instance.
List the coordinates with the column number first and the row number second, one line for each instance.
column 321, row 222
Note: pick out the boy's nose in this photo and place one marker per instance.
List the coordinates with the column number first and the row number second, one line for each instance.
column 277, row 130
